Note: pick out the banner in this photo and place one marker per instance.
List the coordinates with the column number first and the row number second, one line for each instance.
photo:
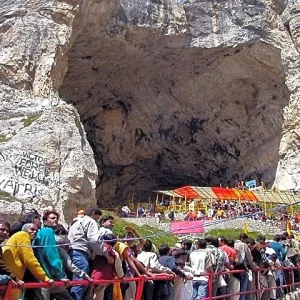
column 250, row 184
column 184, row 227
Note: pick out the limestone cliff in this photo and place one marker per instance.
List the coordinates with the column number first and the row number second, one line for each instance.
column 169, row 93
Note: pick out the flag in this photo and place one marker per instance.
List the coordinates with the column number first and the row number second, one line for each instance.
column 288, row 227
column 250, row 184
column 245, row 228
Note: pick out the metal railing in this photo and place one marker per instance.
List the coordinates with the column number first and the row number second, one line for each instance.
column 258, row 290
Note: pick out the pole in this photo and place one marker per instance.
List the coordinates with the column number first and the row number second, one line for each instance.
column 140, row 288
column 210, row 285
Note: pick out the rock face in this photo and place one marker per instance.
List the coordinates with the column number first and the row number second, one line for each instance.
column 169, row 92
column 45, row 157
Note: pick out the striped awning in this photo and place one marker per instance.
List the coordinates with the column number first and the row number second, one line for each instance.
column 217, row 193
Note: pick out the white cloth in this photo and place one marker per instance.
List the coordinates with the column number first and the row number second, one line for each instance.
column 150, row 261
column 126, row 209
column 200, row 261
column 104, row 230
column 233, row 287
column 183, row 290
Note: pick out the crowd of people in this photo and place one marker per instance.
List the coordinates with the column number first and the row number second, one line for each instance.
column 227, row 209
column 39, row 249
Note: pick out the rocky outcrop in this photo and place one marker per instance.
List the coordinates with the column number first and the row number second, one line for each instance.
column 169, row 92
column 193, row 93
column 288, row 171
column 45, row 156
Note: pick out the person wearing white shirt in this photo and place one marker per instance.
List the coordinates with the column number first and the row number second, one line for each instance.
column 201, row 261
column 150, row 261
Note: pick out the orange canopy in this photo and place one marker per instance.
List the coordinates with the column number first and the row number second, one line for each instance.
column 187, row 192
column 233, row 194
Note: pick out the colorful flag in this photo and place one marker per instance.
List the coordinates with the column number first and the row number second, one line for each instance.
column 288, row 227
column 245, row 228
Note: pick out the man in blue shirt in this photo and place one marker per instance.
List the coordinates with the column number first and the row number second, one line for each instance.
column 164, row 289
column 280, row 251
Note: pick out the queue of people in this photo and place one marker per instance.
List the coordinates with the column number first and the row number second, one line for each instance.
column 39, row 249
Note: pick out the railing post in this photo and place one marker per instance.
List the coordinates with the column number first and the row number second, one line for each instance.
column 140, row 288
column 257, row 283
column 210, row 285
column 8, row 291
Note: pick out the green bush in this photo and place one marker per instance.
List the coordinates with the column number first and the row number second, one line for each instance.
column 6, row 195
column 157, row 236
column 3, row 138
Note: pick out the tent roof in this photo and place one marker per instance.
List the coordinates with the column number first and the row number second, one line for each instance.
column 195, row 192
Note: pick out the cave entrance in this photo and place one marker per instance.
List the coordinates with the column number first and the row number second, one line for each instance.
column 160, row 116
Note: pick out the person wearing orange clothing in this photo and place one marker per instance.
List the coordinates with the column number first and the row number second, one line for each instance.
column 18, row 255
column 231, row 252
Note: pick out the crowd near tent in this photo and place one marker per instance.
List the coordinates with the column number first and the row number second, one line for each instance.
column 208, row 194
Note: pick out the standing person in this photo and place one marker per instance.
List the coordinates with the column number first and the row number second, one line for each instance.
column 201, row 262
column 171, row 215
column 102, row 269
column 5, row 274
column 292, row 253
column 18, row 255
column 258, row 251
column 246, row 260
column 165, row 290
column 221, row 260
column 280, row 251
column 223, row 245
column 233, row 284
column 149, row 259
column 140, row 211
column 47, row 252
column 84, row 237
column 183, row 289
column 106, row 225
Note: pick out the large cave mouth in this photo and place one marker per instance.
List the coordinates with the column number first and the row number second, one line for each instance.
column 159, row 115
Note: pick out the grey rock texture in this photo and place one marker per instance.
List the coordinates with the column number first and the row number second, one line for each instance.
column 169, row 93
column 173, row 94
column 45, row 158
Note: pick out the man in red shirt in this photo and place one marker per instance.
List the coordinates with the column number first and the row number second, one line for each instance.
column 232, row 254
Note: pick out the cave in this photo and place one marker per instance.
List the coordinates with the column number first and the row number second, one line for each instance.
column 160, row 114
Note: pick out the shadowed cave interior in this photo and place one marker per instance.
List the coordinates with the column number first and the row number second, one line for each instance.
column 160, row 115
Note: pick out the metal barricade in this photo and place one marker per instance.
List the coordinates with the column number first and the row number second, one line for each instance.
column 290, row 285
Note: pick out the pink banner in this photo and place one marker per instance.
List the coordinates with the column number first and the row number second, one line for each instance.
column 183, row 227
